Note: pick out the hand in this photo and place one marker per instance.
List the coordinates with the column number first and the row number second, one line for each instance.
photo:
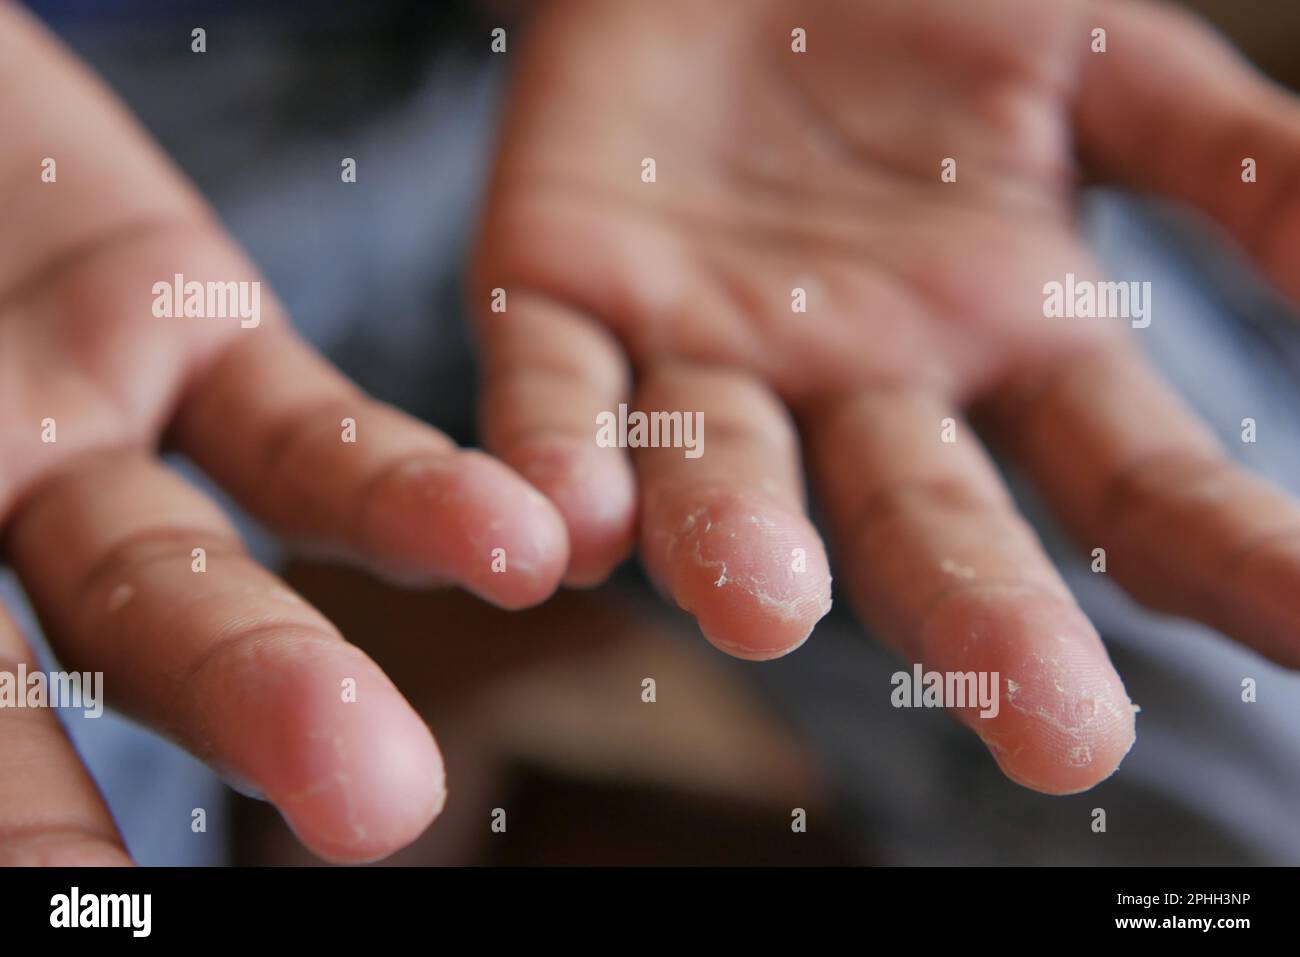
column 777, row 171
column 217, row 653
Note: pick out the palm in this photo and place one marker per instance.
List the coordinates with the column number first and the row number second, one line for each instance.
column 777, row 171
column 78, row 333
column 770, row 180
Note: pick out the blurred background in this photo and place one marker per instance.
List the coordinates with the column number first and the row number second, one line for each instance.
column 541, row 713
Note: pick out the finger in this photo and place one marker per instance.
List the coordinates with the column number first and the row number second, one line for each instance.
column 214, row 651
column 724, row 532
column 548, row 372
column 310, row 455
column 51, row 814
column 945, row 570
column 1132, row 471
column 1172, row 109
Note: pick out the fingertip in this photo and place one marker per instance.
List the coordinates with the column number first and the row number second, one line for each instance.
column 594, row 490
column 1063, row 722
column 392, row 789
column 1082, row 769
column 468, row 518
column 317, row 727
column 754, row 573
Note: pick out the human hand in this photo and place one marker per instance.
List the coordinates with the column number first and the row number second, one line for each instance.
column 778, row 171
column 206, row 647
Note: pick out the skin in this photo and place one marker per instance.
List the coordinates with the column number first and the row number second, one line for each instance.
column 821, row 170
column 229, row 663
column 772, row 173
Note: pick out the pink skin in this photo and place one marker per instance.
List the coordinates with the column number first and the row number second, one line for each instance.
column 62, row 850
column 354, row 779
column 228, row 662
column 770, row 174
column 50, row 813
column 442, row 518
column 821, row 170
column 1064, row 721
column 595, row 493
column 729, row 559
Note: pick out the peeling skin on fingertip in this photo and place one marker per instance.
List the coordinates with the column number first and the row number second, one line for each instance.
column 957, row 570
column 1074, row 718
column 1079, row 722
column 119, row 597
column 338, row 779
column 727, row 563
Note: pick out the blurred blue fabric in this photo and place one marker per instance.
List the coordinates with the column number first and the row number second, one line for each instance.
column 371, row 273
